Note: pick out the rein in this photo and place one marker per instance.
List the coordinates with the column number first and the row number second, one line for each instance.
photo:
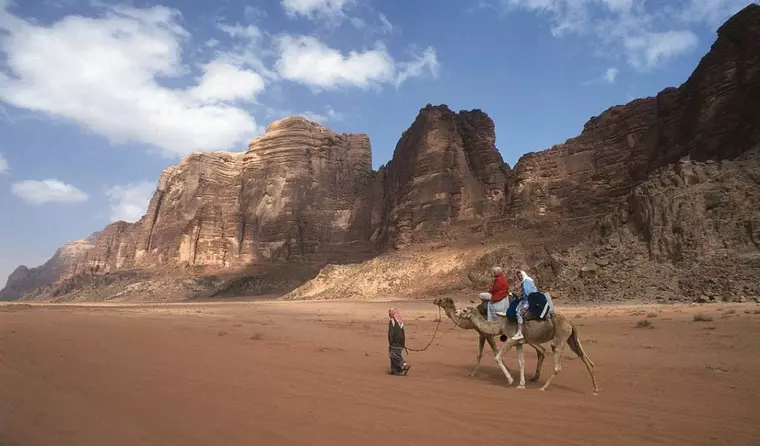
column 440, row 319
column 437, row 325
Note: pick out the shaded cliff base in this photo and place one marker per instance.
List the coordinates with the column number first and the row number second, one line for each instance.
column 176, row 284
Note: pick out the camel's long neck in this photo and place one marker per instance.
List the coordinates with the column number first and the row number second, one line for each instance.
column 451, row 312
column 485, row 327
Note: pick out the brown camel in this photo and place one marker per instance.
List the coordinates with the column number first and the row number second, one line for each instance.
column 450, row 308
column 558, row 330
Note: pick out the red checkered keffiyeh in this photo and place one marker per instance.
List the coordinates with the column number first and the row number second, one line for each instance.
column 396, row 317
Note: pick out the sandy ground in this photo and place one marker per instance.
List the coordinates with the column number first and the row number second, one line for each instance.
column 292, row 373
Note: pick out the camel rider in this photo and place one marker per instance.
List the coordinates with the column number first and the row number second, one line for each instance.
column 496, row 296
column 397, row 343
column 528, row 287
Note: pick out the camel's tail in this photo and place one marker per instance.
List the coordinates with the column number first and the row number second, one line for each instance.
column 574, row 343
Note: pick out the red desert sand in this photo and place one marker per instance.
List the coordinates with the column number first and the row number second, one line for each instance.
column 294, row 373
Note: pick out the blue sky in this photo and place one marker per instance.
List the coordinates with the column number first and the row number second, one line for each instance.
column 97, row 97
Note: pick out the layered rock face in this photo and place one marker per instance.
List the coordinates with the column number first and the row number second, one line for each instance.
column 713, row 115
column 304, row 187
column 445, row 169
column 298, row 186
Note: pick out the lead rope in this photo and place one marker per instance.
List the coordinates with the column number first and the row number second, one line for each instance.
column 440, row 318
column 437, row 325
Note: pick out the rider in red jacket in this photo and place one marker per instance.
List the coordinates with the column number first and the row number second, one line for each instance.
column 496, row 303
column 500, row 288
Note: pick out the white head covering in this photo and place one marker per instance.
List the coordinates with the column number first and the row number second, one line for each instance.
column 525, row 275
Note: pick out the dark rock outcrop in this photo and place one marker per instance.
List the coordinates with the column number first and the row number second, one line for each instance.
column 445, row 169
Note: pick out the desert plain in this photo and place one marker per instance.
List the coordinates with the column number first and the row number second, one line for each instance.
column 315, row 373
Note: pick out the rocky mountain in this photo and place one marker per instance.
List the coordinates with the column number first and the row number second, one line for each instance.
column 300, row 193
column 65, row 261
column 648, row 193
column 655, row 199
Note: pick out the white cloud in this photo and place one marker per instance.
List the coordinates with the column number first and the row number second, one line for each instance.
column 386, row 25
column 610, row 75
column 645, row 38
column 252, row 13
column 47, row 191
column 248, row 49
column 620, row 6
column 129, row 202
column 330, row 11
column 566, row 15
column 712, row 12
column 3, row 164
column 307, row 60
column 122, row 75
column 222, row 81
column 59, row 3
column 426, row 62
column 316, row 117
column 329, row 115
column 332, row 115
column 358, row 22
column 648, row 50
column 103, row 73
column 382, row 26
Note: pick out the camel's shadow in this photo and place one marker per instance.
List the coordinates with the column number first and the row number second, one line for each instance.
column 494, row 376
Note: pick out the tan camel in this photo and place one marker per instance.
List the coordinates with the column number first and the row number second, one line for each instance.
column 450, row 308
column 558, row 330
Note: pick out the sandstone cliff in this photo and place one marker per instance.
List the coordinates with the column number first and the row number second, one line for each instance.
column 650, row 195
column 647, row 194
column 299, row 193
column 298, row 187
column 445, row 169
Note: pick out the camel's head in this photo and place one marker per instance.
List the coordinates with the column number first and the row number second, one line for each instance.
column 444, row 302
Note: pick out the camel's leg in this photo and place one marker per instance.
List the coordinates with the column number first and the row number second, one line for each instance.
column 541, row 352
column 574, row 343
column 590, row 368
column 504, row 349
column 557, row 354
column 521, row 361
column 492, row 343
column 481, row 343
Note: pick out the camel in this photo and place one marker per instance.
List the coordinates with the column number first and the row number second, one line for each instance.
column 449, row 307
column 558, row 330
